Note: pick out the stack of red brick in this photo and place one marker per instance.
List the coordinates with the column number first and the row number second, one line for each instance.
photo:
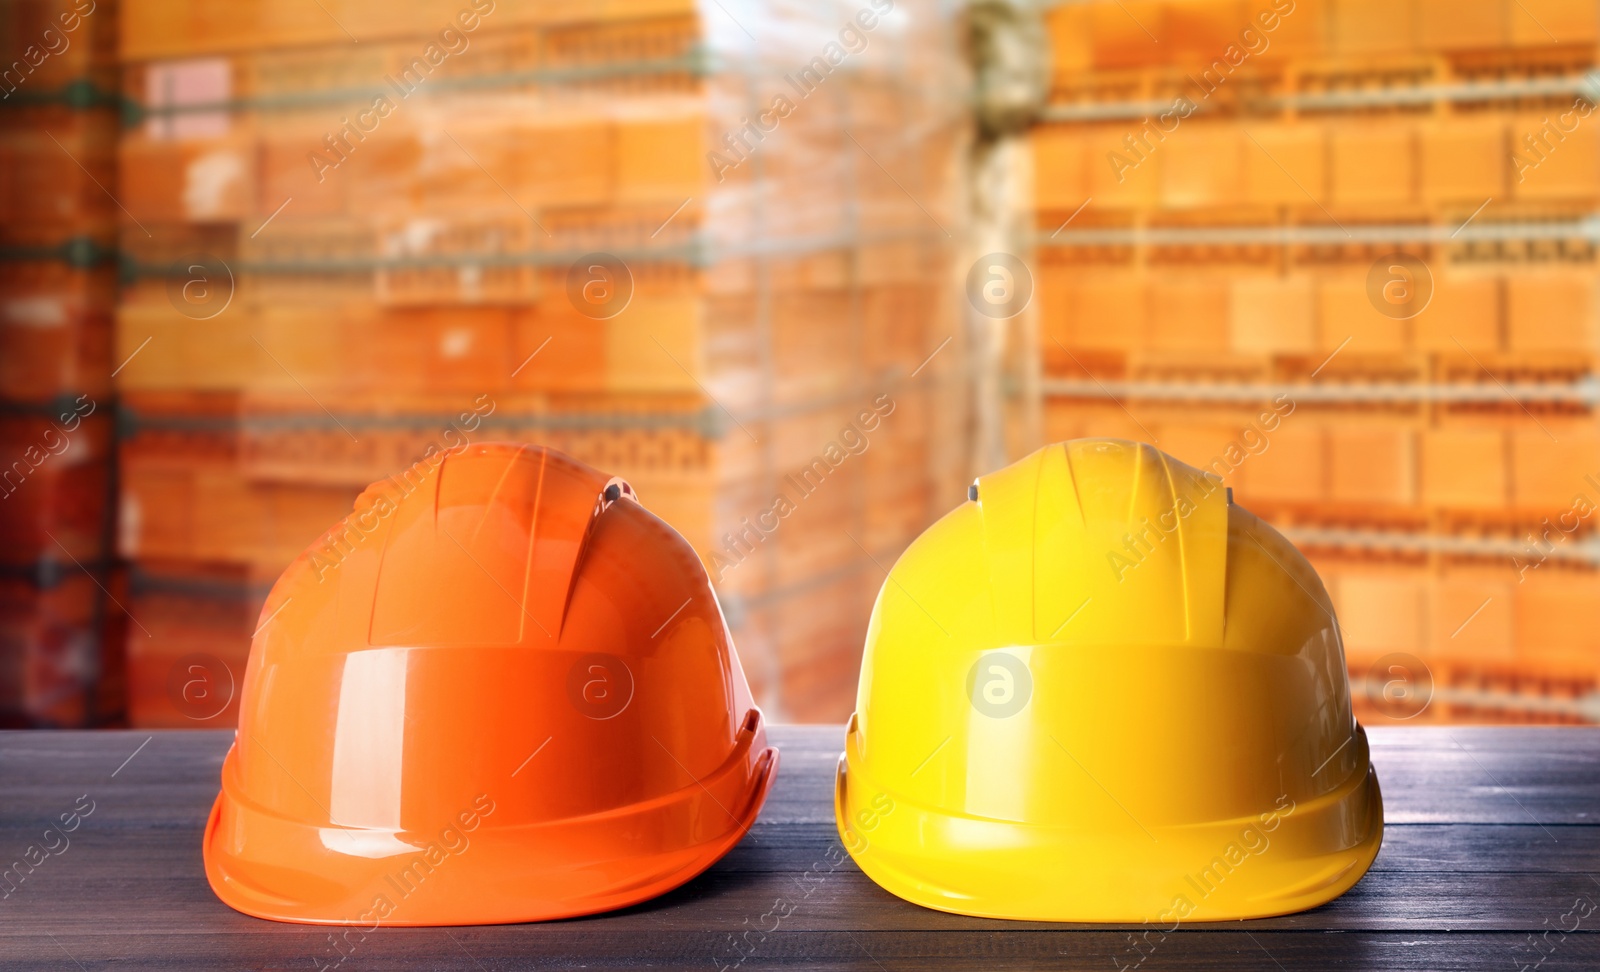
column 357, row 251
column 59, row 633
column 1268, row 184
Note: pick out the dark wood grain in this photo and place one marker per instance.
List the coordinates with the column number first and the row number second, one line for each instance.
column 1491, row 836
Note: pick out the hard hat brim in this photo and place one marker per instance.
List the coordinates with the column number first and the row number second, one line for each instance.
column 536, row 872
column 1253, row 867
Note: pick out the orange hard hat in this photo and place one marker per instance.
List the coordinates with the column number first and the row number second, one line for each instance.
column 500, row 690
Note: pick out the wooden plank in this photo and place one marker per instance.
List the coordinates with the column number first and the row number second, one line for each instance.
column 596, row 949
column 108, row 861
column 1491, row 838
column 1426, row 777
column 1407, row 848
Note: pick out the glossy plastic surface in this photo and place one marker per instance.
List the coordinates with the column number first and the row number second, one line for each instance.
column 1102, row 692
column 499, row 691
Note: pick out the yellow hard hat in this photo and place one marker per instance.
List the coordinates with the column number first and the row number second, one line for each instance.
column 1099, row 691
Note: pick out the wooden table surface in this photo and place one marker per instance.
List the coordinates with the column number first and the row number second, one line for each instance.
column 1491, row 855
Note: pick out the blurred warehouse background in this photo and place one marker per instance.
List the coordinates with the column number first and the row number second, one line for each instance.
column 811, row 264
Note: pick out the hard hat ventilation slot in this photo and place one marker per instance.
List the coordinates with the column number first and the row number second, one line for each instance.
column 615, row 489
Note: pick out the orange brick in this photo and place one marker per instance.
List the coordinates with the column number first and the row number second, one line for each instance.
column 465, row 173
column 379, row 177
column 60, row 504
column 310, row 345
column 1380, row 611
column 557, row 349
column 1463, row 468
column 1293, row 469
column 52, row 344
column 1058, row 167
column 1070, row 27
column 1199, row 31
column 1285, row 164
column 179, row 627
column 1126, row 34
column 1549, row 22
column 1551, row 163
column 1197, row 443
column 1187, row 314
column 660, row 159
column 1109, row 312
column 187, row 356
column 1117, row 176
column 1471, row 614
column 1546, row 472
column 1451, row 25
column 209, row 512
column 1272, row 314
column 1302, row 34
column 1554, row 618
column 51, row 645
column 1464, row 309
column 565, row 162
column 1077, row 419
column 1345, row 310
column 1200, row 165
column 1054, row 295
column 1462, row 160
column 457, row 349
column 35, row 186
column 1372, row 27
column 1371, row 463
column 1372, row 163
column 284, row 172
column 198, row 181
column 638, row 342
column 1550, row 312
column 1253, row 432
